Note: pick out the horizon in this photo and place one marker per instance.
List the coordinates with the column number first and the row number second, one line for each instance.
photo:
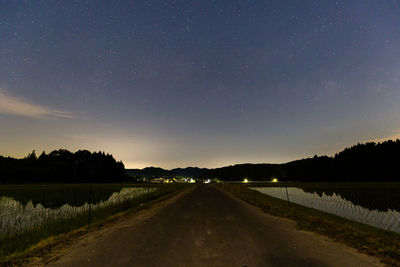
column 376, row 141
column 202, row 84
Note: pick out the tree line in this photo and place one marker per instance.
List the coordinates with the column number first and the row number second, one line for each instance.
column 62, row 166
column 363, row 162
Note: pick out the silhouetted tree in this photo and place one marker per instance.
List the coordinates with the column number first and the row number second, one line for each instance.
column 362, row 162
column 62, row 166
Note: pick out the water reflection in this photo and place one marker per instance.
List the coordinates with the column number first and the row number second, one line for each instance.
column 335, row 204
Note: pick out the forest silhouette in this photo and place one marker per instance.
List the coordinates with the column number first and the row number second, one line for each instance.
column 363, row 162
column 62, row 166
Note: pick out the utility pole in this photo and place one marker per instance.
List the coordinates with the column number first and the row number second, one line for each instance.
column 90, row 203
column 287, row 194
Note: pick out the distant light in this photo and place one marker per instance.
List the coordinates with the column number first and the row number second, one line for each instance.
column 245, row 181
column 192, row 181
column 274, row 180
column 207, row 181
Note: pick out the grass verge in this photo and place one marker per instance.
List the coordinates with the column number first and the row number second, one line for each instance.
column 366, row 239
column 23, row 249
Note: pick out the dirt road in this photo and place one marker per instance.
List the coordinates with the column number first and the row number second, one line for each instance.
column 207, row 227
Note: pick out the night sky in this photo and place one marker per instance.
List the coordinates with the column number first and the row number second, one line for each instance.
column 198, row 83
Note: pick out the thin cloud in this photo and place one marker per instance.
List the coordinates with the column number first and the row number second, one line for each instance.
column 17, row 106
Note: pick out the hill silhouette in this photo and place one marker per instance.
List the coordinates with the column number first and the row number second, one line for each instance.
column 152, row 172
column 363, row 162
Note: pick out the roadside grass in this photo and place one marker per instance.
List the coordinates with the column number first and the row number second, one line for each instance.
column 15, row 246
column 366, row 239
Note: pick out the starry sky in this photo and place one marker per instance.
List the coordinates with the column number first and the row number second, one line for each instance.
column 198, row 83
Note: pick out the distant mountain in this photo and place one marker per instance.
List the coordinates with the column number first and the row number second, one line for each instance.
column 190, row 172
column 362, row 162
column 258, row 172
column 193, row 172
column 148, row 172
